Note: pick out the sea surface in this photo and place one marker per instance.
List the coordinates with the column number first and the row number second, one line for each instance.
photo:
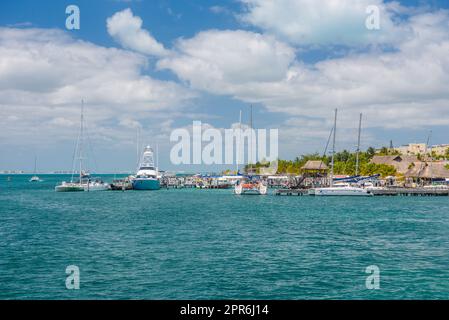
column 211, row 244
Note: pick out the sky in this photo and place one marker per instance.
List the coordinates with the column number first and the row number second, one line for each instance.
column 155, row 66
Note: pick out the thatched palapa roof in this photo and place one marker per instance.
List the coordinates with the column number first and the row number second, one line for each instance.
column 400, row 162
column 315, row 165
column 428, row 170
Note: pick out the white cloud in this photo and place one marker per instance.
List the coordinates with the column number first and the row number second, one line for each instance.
column 218, row 60
column 404, row 87
column 127, row 30
column 325, row 22
column 44, row 74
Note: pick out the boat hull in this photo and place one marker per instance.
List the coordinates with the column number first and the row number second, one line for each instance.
column 69, row 187
column 146, row 184
column 351, row 192
column 63, row 188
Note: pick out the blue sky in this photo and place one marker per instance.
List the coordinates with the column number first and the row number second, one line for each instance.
column 293, row 65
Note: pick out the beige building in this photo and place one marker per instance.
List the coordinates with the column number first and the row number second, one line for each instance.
column 421, row 148
column 412, row 149
column 440, row 150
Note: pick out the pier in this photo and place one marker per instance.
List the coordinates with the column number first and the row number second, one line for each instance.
column 292, row 192
column 404, row 192
column 411, row 192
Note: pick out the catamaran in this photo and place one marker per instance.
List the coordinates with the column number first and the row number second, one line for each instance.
column 84, row 182
column 147, row 174
column 246, row 185
column 340, row 189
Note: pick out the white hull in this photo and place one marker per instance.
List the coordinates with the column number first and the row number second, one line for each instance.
column 96, row 187
column 76, row 187
column 341, row 191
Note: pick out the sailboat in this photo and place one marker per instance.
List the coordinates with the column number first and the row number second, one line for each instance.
column 340, row 189
column 147, row 174
column 84, row 182
column 246, row 185
column 35, row 178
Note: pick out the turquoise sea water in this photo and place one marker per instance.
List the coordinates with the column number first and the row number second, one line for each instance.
column 211, row 244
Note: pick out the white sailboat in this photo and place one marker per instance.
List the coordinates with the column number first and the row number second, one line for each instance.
column 35, row 178
column 339, row 189
column 84, row 182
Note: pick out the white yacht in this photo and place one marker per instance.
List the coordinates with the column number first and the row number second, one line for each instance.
column 84, row 182
column 147, row 174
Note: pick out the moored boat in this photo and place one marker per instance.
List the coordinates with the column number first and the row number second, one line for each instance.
column 84, row 182
column 250, row 188
column 341, row 189
column 147, row 175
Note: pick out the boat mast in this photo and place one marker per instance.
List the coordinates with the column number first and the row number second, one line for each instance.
column 358, row 147
column 333, row 149
column 250, row 157
column 35, row 164
column 81, row 140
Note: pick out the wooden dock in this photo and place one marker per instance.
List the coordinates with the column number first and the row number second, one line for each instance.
column 292, row 192
column 405, row 192
column 412, row 192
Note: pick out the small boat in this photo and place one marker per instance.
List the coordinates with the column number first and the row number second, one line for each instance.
column 122, row 184
column 35, row 178
column 250, row 188
column 146, row 177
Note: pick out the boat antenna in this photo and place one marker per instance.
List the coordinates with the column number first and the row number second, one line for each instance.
column 157, row 156
column 81, row 140
column 358, row 147
column 333, row 148
column 138, row 146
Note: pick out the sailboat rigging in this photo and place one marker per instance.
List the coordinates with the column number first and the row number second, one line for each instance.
column 84, row 183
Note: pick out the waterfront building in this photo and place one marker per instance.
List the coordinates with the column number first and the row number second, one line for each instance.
column 412, row 149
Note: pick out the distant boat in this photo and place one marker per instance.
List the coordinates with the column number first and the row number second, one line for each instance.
column 339, row 189
column 84, row 182
column 147, row 175
column 35, row 178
